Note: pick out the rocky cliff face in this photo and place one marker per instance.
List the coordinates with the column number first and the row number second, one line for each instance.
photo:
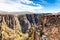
column 11, row 28
column 29, row 27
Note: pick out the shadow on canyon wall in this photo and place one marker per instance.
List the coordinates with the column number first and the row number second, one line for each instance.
column 30, row 27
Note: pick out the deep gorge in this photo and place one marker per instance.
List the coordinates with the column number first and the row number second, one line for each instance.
column 29, row 26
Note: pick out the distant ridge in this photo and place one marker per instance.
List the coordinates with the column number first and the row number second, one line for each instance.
column 26, row 12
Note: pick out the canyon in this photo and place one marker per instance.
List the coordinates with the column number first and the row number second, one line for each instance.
column 29, row 26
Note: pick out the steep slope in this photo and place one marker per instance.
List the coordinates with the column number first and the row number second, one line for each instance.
column 29, row 26
column 9, row 33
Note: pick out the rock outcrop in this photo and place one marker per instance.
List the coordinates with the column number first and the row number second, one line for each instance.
column 29, row 26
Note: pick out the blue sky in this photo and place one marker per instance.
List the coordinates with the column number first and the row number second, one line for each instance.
column 36, row 6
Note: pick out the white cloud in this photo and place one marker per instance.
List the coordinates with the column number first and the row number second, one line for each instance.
column 2, row 1
column 26, row 1
column 16, row 5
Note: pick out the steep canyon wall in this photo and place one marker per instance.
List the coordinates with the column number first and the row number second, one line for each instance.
column 29, row 27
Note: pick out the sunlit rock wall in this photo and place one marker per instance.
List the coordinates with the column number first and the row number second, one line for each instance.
column 52, row 27
column 29, row 27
